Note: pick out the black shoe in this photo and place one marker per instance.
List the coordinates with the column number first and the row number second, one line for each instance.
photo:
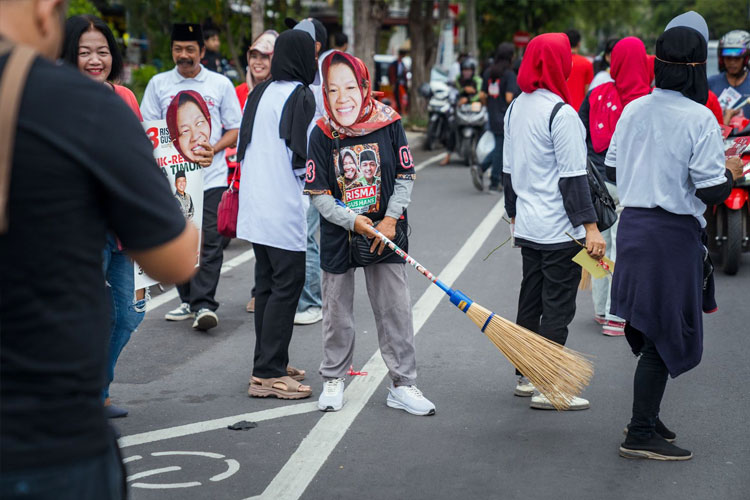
column 655, row 448
column 112, row 411
column 477, row 177
column 660, row 429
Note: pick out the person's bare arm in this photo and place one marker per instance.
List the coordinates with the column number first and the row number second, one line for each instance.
column 227, row 140
column 509, row 97
column 174, row 261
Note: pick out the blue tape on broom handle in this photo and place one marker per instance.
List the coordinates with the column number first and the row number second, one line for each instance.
column 487, row 322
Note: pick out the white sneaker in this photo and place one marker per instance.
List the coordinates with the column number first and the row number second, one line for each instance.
column 540, row 402
column 308, row 316
column 410, row 399
column 181, row 313
column 524, row 388
column 205, row 319
column 332, row 397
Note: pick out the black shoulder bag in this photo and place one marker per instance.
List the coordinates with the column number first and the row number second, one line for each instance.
column 604, row 205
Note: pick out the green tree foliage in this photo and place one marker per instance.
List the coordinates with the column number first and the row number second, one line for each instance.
column 598, row 20
column 153, row 20
column 80, row 7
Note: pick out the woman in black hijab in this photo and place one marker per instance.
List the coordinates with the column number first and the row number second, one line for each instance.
column 272, row 209
column 667, row 157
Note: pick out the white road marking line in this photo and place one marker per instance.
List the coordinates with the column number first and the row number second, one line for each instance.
column 429, row 161
column 168, row 486
column 154, row 472
column 219, row 423
column 170, row 295
column 233, row 467
column 293, row 479
column 249, row 255
column 131, row 459
column 207, row 454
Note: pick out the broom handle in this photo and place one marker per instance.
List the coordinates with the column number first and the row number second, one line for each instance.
column 456, row 296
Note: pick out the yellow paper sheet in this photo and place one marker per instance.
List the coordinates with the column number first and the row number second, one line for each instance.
column 594, row 266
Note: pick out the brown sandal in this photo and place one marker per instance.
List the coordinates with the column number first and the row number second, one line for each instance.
column 292, row 372
column 282, row 388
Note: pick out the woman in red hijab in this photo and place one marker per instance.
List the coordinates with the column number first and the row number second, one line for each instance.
column 374, row 182
column 632, row 73
column 547, row 196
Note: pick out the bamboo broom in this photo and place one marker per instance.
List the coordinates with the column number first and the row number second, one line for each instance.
column 557, row 372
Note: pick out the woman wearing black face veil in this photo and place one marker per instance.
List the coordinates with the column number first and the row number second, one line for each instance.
column 667, row 157
column 272, row 210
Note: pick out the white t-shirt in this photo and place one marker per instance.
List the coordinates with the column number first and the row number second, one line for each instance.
column 599, row 79
column 272, row 208
column 537, row 160
column 218, row 92
column 665, row 147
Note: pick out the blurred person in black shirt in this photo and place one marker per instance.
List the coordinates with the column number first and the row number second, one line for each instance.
column 100, row 176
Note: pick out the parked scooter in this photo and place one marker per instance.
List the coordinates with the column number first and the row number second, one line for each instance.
column 470, row 123
column 728, row 224
column 442, row 100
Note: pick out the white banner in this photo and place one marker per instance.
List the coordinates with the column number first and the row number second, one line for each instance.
column 185, row 179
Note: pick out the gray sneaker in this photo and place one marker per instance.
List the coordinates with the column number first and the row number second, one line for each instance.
column 181, row 313
column 524, row 388
column 205, row 319
column 477, row 177
column 332, row 397
column 409, row 399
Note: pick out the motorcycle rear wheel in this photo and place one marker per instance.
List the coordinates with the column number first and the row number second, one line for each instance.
column 731, row 250
column 431, row 137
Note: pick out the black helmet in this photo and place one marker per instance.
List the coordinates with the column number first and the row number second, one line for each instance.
column 469, row 63
column 736, row 43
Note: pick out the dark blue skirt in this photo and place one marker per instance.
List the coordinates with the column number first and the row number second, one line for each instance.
column 658, row 284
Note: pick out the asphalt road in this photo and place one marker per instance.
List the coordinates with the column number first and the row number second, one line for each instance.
column 183, row 388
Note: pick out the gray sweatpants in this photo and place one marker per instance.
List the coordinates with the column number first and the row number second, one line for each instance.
column 391, row 305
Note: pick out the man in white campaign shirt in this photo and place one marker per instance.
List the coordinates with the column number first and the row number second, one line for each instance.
column 198, row 296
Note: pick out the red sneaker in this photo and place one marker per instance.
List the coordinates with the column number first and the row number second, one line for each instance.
column 613, row 328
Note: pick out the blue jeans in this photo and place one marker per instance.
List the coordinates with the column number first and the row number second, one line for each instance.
column 311, row 294
column 495, row 160
column 97, row 478
column 125, row 312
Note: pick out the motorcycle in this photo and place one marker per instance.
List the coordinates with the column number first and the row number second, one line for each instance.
column 470, row 123
column 728, row 224
column 440, row 107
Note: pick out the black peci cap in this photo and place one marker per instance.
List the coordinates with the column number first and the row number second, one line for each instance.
column 187, row 32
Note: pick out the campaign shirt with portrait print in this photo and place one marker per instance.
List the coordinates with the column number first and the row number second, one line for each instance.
column 364, row 179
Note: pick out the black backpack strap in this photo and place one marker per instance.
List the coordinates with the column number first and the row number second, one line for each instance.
column 554, row 113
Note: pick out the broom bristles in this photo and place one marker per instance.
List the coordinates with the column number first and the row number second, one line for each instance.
column 557, row 372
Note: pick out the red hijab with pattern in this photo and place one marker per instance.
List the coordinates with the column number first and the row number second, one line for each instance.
column 547, row 64
column 179, row 99
column 631, row 74
column 373, row 114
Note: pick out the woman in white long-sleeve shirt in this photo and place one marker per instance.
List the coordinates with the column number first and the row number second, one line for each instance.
column 667, row 157
column 547, row 195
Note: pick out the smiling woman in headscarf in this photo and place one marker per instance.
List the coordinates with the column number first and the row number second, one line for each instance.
column 362, row 135
column 272, row 151
column 600, row 111
column 667, row 157
column 547, row 196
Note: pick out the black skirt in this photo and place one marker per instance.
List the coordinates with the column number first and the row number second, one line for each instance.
column 658, row 284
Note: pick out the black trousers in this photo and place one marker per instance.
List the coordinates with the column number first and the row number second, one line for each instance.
column 547, row 302
column 648, row 389
column 279, row 279
column 200, row 291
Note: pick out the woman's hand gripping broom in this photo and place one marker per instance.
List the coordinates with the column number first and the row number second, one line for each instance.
column 557, row 372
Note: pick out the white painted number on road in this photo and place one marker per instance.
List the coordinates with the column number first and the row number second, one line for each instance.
column 232, row 467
